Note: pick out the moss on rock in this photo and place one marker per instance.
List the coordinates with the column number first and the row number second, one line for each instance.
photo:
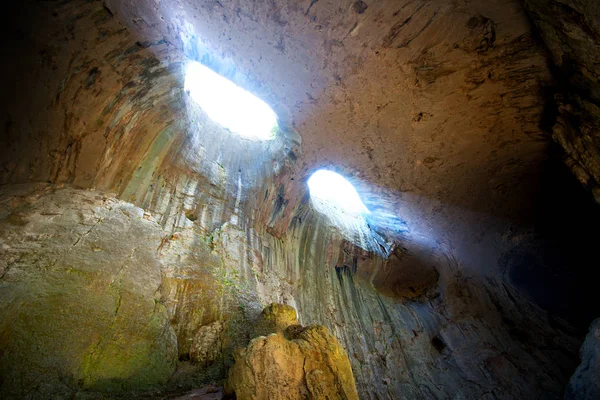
column 80, row 307
column 275, row 318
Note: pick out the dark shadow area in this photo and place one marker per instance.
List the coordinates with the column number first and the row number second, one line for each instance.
column 558, row 267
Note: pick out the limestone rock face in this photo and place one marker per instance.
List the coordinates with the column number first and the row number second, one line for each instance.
column 306, row 363
column 79, row 292
column 97, row 299
column 207, row 343
column 584, row 384
column 275, row 318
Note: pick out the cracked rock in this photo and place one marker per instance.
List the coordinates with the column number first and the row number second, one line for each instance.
column 311, row 365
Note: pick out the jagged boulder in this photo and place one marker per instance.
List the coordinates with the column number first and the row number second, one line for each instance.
column 293, row 363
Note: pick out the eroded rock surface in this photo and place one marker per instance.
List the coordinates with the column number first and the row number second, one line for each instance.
column 571, row 32
column 275, row 318
column 80, row 298
column 207, row 344
column 584, row 383
column 65, row 264
column 302, row 363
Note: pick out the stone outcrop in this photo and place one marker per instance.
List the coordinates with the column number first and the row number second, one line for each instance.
column 584, row 384
column 79, row 288
column 99, row 300
column 298, row 363
column 67, row 261
column 275, row 318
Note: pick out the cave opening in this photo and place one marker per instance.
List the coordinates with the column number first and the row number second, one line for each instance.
column 335, row 193
column 337, row 201
column 231, row 106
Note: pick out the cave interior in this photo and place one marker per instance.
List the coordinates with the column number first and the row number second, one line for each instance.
column 314, row 199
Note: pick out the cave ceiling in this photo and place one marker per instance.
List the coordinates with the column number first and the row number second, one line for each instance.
column 434, row 111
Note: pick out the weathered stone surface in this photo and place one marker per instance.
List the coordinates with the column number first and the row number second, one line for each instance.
column 80, row 296
column 311, row 365
column 207, row 344
column 405, row 274
column 571, row 32
column 275, row 318
column 461, row 330
column 584, row 383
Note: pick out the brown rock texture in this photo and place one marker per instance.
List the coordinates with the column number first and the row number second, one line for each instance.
column 571, row 32
column 307, row 364
column 207, row 344
column 91, row 304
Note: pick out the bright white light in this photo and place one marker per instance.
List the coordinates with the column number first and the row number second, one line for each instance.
column 229, row 105
column 335, row 192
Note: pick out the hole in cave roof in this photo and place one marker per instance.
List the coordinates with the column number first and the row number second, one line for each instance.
column 231, row 106
column 336, row 192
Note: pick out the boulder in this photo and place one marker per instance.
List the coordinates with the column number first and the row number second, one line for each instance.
column 275, row 318
column 79, row 293
column 293, row 363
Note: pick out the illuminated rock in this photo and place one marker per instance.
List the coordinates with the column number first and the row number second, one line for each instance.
column 301, row 363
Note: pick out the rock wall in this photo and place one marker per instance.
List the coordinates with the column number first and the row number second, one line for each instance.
column 83, row 304
column 80, row 292
column 571, row 32
column 583, row 384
